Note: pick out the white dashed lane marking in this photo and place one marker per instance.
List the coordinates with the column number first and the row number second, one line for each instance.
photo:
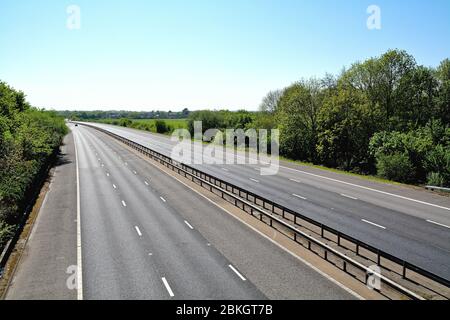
column 347, row 196
column 439, row 224
column 237, row 272
column 189, row 225
column 373, row 223
column 166, row 284
column 138, row 231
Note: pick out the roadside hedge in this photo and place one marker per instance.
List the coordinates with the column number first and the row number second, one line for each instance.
column 28, row 138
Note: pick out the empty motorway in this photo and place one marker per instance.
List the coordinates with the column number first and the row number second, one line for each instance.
column 405, row 221
column 140, row 234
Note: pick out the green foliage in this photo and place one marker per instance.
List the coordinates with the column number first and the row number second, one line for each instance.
column 209, row 119
column 384, row 112
column 396, row 167
column 161, row 126
column 345, row 129
column 437, row 161
column 28, row 137
column 442, row 99
column 221, row 120
column 166, row 126
column 134, row 115
column 125, row 122
column 6, row 232
column 297, row 116
column 435, row 179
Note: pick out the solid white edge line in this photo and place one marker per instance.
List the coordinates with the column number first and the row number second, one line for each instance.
column 367, row 188
column 323, row 274
column 298, row 196
column 162, row 199
column 237, row 272
column 79, row 255
column 373, row 223
column 189, row 225
column 347, row 196
column 166, row 284
column 124, row 203
column 138, row 231
column 439, row 224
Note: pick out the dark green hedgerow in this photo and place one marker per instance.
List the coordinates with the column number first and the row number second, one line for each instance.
column 28, row 138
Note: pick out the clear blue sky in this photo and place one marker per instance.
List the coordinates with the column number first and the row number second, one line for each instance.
column 145, row 55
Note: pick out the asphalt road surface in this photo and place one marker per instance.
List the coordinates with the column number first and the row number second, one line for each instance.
column 407, row 222
column 143, row 235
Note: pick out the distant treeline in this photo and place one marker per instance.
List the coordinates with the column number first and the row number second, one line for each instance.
column 164, row 126
column 96, row 115
column 386, row 116
column 28, row 138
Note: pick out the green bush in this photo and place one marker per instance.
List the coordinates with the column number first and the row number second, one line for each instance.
column 395, row 167
column 28, row 137
column 435, row 179
column 125, row 122
column 161, row 126
column 438, row 162
column 6, row 232
column 209, row 119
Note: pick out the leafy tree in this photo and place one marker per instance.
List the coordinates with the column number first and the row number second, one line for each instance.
column 270, row 102
column 297, row 116
column 209, row 119
column 344, row 133
column 443, row 87
column 437, row 163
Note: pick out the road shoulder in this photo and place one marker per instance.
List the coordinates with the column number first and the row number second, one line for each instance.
column 50, row 250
